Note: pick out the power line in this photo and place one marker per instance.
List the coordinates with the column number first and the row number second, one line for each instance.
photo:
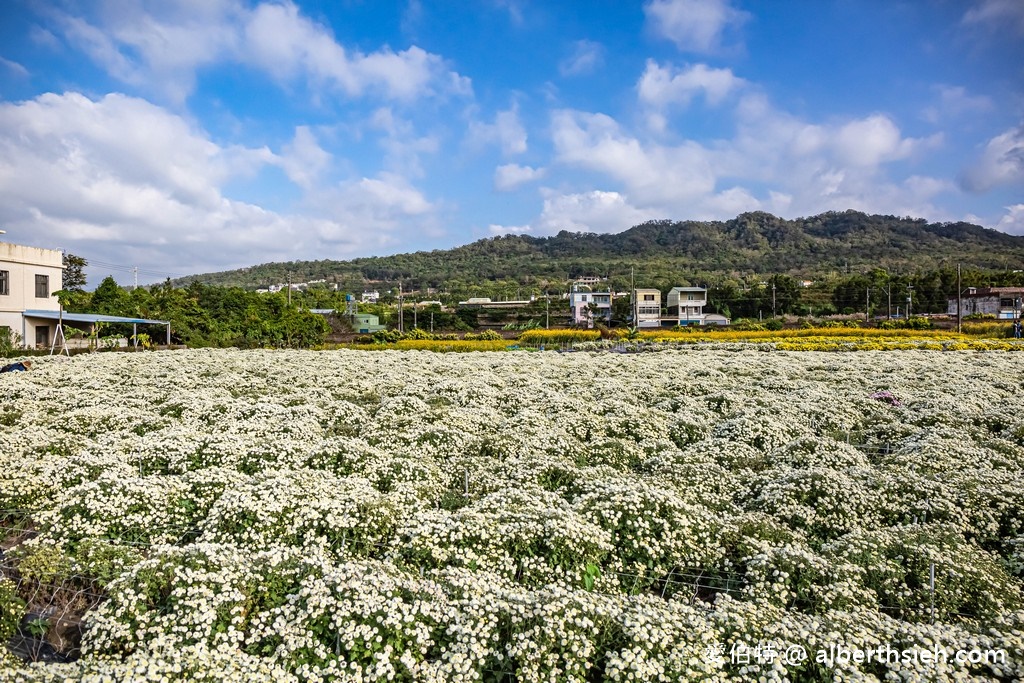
column 131, row 269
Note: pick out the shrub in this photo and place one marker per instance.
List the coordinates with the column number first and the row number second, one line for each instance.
column 11, row 609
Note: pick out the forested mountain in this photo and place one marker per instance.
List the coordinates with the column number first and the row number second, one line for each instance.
column 668, row 252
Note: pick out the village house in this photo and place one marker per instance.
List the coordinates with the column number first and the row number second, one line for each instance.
column 1002, row 302
column 646, row 308
column 686, row 305
column 587, row 306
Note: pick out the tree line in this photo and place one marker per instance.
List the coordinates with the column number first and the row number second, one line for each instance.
column 200, row 315
column 210, row 315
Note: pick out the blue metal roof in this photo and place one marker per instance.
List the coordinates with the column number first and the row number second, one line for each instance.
column 91, row 318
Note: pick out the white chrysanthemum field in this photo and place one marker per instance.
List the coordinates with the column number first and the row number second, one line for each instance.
column 412, row 516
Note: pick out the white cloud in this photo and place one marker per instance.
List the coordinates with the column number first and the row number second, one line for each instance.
column 514, row 9
column 496, row 229
column 402, row 145
column 507, row 132
column 149, row 185
column 652, row 174
column 160, row 46
column 1013, row 221
column 775, row 162
column 285, row 43
column 304, row 159
column 871, row 141
column 1001, row 163
column 586, row 57
column 510, row 176
column 694, row 25
column 594, row 211
column 955, row 101
column 997, row 14
column 14, row 68
column 661, row 86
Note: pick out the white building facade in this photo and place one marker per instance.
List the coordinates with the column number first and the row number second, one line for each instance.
column 646, row 308
column 686, row 305
column 28, row 278
column 587, row 306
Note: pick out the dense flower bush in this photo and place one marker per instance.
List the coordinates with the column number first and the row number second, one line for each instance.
column 493, row 517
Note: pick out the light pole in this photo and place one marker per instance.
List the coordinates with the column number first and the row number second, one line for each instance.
column 888, row 292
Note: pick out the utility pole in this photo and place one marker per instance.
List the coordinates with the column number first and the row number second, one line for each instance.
column 632, row 296
column 289, row 288
column 773, row 298
column 547, row 311
column 867, row 307
column 135, row 272
column 400, row 322
column 959, row 294
column 910, row 291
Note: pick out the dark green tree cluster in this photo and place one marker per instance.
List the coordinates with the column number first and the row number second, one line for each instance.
column 204, row 315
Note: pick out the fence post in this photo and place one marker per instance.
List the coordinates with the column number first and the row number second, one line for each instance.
column 931, row 586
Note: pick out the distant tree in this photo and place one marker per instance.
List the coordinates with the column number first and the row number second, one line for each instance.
column 73, row 298
column 109, row 298
column 74, row 273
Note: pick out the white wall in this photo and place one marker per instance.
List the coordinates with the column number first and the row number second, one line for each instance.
column 22, row 265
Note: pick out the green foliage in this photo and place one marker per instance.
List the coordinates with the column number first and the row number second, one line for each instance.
column 11, row 609
column 10, row 342
column 203, row 315
column 907, row 324
column 386, row 336
column 73, row 278
column 42, row 563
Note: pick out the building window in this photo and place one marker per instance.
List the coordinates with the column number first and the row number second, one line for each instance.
column 42, row 286
column 5, row 282
column 648, row 297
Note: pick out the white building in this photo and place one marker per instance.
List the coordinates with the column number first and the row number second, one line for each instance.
column 28, row 278
column 1005, row 303
column 587, row 306
column 686, row 305
column 646, row 308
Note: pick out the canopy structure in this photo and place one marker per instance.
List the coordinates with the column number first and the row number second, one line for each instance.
column 92, row 319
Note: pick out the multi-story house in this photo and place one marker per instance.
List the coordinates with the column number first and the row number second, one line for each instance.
column 587, row 306
column 28, row 278
column 646, row 308
column 686, row 305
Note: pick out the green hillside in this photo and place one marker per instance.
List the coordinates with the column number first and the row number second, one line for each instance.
column 670, row 251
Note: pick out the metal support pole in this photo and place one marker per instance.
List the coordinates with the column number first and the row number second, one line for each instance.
column 931, row 587
column 959, row 298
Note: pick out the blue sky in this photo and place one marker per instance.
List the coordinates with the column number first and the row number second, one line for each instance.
column 187, row 136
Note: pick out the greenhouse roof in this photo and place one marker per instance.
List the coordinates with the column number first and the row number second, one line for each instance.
column 91, row 318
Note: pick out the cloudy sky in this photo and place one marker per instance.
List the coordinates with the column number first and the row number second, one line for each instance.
column 188, row 136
